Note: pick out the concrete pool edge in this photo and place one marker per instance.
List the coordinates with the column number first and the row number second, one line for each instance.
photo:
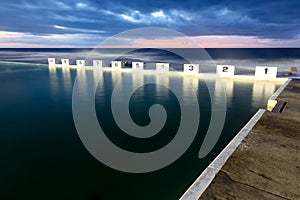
column 206, row 177
column 272, row 101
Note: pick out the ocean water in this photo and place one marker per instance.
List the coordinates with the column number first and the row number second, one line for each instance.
column 283, row 58
column 43, row 156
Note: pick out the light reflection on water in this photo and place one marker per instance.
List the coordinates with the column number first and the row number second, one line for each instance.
column 260, row 90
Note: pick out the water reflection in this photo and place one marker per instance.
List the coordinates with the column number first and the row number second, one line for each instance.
column 115, row 76
column 62, row 80
column 228, row 86
column 67, row 82
column 81, row 78
column 189, row 84
column 262, row 90
column 54, row 81
column 136, row 79
column 52, row 70
column 162, row 92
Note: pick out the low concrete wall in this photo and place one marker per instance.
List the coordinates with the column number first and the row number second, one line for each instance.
column 272, row 101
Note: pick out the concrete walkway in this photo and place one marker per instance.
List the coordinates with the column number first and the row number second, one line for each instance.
column 267, row 163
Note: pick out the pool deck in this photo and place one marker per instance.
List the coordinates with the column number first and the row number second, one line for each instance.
column 266, row 165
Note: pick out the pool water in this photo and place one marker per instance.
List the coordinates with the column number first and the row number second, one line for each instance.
column 42, row 156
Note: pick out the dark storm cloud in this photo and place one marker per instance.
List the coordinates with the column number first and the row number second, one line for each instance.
column 265, row 19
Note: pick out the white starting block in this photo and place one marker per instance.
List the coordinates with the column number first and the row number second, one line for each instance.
column 137, row 65
column 191, row 68
column 51, row 61
column 265, row 72
column 225, row 70
column 97, row 63
column 65, row 62
column 80, row 63
column 162, row 67
column 116, row 64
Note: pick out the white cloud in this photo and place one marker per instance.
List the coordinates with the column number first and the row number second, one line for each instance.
column 84, row 6
column 8, row 34
column 223, row 12
column 59, row 27
column 72, row 18
column 171, row 17
column 230, row 16
column 182, row 14
column 62, row 5
column 81, row 5
column 129, row 18
column 159, row 13
column 88, row 31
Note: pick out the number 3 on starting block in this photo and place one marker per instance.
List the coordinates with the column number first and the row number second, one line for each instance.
column 191, row 68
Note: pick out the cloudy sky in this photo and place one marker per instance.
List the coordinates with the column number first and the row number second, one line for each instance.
column 210, row 23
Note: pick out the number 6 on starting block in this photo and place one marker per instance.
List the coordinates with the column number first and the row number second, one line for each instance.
column 137, row 65
column 116, row 64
